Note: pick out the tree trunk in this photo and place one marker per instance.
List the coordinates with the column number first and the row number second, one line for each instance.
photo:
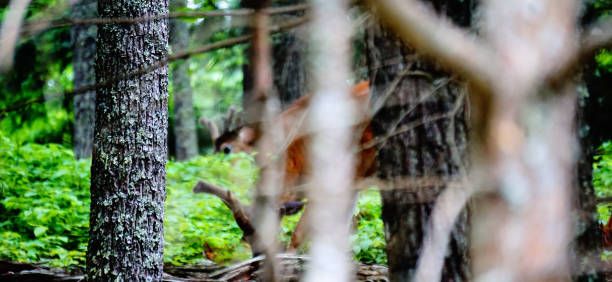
column 288, row 66
column 594, row 110
column 186, row 141
column 128, row 175
column 84, row 44
column 431, row 106
column 288, row 54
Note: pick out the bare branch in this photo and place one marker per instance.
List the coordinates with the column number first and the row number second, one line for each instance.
column 435, row 243
column 330, row 148
column 176, row 56
column 421, row 28
column 594, row 38
column 231, row 201
column 597, row 36
column 10, row 30
column 34, row 26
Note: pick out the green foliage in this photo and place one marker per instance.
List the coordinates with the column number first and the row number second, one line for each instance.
column 44, row 208
column 604, row 60
column 602, row 179
column 197, row 223
column 44, row 204
column 369, row 240
column 602, row 170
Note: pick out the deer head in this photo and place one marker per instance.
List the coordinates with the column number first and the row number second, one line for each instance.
column 232, row 135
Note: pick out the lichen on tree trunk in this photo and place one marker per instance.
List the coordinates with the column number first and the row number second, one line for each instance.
column 84, row 46
column 185, row 137
column 432, row 106
column 128, row 175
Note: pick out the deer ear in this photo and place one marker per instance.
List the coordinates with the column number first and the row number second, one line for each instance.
column 247, row 135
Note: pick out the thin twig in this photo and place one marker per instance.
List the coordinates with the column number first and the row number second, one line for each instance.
column 34, row 26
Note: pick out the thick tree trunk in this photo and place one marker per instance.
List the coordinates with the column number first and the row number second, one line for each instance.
column 185, row 137
column 431, row 106
column 84, row 44
column 128, row 175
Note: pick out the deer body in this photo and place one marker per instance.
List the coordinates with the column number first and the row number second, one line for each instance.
column 295, row 134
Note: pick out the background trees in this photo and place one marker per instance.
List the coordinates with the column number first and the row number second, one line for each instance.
column 83, row 39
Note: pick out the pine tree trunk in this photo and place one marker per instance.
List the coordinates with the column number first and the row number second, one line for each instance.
column 186, row 141
column 128, row 175
column 431, row 106
column 84, row 44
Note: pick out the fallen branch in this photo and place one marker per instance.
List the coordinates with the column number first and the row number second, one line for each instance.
column 239, row 210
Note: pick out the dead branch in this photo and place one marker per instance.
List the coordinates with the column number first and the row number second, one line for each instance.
column 420, row 27
column 239, row 211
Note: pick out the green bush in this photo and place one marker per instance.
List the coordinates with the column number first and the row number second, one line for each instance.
column 44, row 208
column 44, row 204
column 196, row 224
column 602, row 178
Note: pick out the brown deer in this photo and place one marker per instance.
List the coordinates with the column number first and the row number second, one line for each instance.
column 297, row 167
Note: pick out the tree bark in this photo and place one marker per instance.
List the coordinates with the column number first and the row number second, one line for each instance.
column 128, row 175
column 186, row 141
column 84, row 44
column 288, row 54
column 433, row 105
column 288, row 64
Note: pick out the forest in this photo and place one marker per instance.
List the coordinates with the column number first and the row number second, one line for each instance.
column 323, row 140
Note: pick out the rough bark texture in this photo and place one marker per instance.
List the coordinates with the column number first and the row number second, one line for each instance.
column 128, row 175
column 594, row 115
column 425, row 100
column 288, row 66
column 288, row 54
column 84, row 44
column 185, row 137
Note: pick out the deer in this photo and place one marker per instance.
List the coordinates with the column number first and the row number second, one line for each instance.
column 241, row 138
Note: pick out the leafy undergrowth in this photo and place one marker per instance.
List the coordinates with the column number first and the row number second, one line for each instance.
column 602, row 182
column 602, row 179
column 44, row 209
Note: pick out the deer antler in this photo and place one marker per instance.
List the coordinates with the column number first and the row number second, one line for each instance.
column 212, row 128
column 228, row 122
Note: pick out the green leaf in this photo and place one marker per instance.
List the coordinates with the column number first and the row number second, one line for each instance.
column 40, row 230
